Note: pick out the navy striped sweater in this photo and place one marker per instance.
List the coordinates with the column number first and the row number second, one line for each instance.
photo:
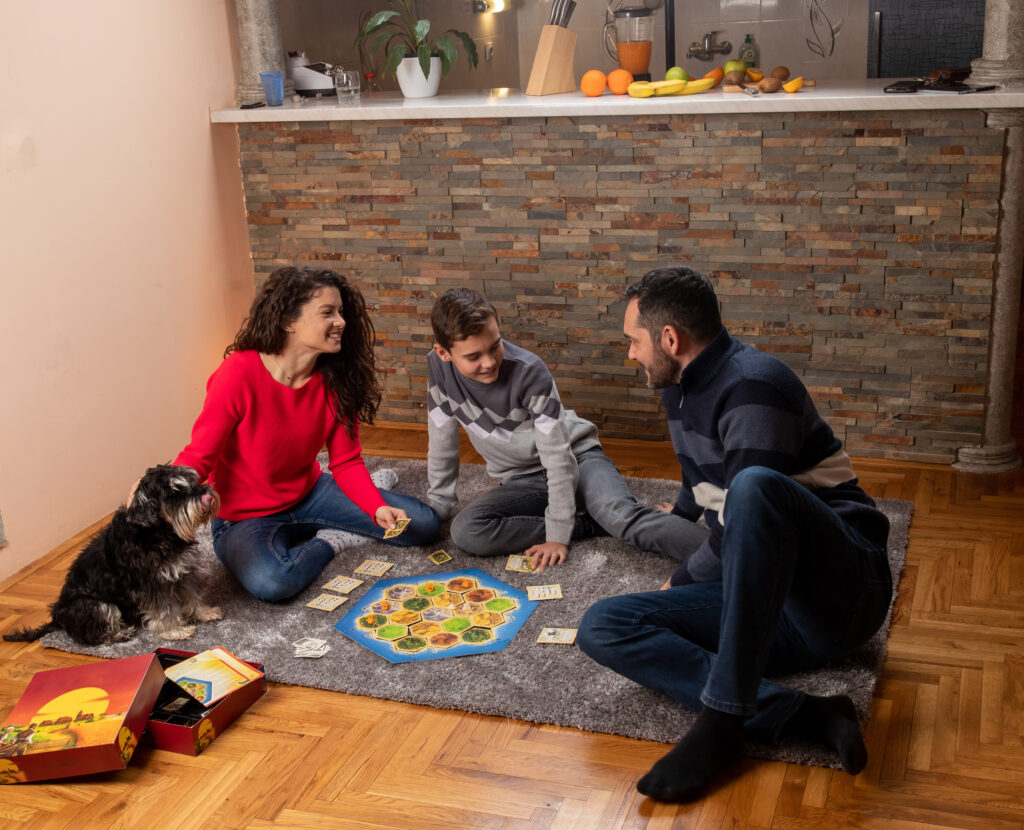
column 734, row 408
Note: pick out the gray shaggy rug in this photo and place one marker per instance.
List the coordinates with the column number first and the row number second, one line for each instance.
column 526, row 681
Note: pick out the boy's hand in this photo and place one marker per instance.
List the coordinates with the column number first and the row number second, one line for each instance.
column 664, row 506
column 550, row 553
column 386, row 516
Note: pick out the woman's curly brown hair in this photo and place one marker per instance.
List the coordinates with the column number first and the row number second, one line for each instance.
column 350, row 375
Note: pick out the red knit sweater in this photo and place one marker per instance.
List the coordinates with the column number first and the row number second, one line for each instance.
column 256, row 441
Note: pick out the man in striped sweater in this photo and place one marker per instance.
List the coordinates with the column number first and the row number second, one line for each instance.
column 794, row 572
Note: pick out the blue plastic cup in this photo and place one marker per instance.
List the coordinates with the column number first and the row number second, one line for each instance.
column 273, row 87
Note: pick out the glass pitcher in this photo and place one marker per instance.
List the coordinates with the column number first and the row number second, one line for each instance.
column 628, row 39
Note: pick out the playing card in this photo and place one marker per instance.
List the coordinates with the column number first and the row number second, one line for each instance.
column 374, row 567
column 562, row 636
column 439, row 557
column 326, row 602
column 312, row 652
column 539, row 592
column 343, row 584
column 309, row 643
column 400, row 525
column 520, row 563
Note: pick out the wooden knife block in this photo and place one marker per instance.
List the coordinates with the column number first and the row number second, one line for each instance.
column 552, row 65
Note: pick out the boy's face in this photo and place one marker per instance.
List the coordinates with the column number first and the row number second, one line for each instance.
column 477, row 357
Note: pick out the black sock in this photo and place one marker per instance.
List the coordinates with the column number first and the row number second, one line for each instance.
column 832, row 721
column 713, row 745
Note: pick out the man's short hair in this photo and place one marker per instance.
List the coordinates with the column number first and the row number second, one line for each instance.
column 679, row 297
column 459, row 313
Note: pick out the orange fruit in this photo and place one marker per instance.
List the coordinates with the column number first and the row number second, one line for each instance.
column 717, row 73
column 593, row 83
column 754, row 73
column 619, row 81
column 794, row 85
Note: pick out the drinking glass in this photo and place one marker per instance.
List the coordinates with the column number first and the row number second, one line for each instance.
column 346, row 84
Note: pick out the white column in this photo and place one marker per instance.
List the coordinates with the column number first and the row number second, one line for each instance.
column 259, row 47
column 1002, row 54
column 998, row 452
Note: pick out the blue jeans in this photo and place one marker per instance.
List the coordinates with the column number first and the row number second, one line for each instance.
column 510, row 518
column 276, row 556
column 800, row 588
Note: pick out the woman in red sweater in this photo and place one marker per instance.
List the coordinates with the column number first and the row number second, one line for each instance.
column 300, row 376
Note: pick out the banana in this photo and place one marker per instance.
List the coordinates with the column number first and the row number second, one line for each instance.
column 701, row 85
column 668, row 87
column 640, row 89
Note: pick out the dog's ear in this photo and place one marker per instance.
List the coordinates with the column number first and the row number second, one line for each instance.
column 143, row 508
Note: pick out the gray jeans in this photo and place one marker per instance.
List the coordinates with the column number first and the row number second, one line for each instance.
column 510, row 518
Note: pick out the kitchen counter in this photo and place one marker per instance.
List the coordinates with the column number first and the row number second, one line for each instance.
column 827, row 96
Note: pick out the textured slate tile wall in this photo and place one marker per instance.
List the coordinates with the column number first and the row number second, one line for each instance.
column 857, row 247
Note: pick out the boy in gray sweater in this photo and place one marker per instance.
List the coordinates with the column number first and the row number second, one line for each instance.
column 556, row 483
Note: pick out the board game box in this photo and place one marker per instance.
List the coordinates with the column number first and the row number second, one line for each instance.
column 179, row 723
column 79, row 720
column 453, row 614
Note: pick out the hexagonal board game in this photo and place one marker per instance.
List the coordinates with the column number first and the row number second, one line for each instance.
column 412, row 618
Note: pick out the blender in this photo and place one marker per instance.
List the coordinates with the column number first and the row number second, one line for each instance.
column 628, row 38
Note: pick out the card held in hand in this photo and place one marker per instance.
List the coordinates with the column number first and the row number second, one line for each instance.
column 400, row 525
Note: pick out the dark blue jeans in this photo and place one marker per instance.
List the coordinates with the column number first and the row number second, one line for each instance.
column 800, row 588
column 276, row 556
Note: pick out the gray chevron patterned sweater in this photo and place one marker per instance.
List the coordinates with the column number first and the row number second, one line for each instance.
column 517, row 423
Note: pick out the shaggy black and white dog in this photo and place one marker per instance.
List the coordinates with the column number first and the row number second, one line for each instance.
column 141, row 569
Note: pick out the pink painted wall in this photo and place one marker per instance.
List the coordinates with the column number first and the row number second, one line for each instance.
column 124, row 263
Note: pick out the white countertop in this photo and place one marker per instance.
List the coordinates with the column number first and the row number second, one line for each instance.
column 826, row 96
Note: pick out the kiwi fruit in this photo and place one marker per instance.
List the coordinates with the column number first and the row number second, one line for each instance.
column 780, row 72
column 735, row 77
column 770, row 84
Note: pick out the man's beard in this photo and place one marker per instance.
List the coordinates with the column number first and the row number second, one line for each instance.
column 663, row 371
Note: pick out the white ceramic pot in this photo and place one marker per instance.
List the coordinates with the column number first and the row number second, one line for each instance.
column 411, row 80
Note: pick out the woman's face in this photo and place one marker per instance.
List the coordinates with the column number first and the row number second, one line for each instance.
column 319, row 326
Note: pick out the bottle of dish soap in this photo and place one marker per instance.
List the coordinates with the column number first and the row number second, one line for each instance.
column 748, row 52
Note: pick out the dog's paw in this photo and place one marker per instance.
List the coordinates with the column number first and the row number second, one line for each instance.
column 180, row 633
column 209, row 613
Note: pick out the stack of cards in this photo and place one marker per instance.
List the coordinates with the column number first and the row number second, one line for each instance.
column 311, row 647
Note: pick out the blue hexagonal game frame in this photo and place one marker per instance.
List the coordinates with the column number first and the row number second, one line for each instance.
column 472, row 627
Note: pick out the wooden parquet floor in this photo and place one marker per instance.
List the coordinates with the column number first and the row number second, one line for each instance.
column 946, row 734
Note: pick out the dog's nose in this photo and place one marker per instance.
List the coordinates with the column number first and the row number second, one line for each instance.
column 206, row 500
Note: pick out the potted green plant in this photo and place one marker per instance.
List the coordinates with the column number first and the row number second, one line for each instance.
column 415, row 59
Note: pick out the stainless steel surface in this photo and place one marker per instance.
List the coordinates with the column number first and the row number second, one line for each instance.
column 876, row 36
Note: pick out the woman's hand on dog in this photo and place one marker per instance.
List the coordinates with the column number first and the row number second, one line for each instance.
column 386, row 516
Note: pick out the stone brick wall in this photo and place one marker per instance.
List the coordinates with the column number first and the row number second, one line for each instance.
column 857, row 247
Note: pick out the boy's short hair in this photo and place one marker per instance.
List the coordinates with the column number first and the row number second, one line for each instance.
column 459, row 313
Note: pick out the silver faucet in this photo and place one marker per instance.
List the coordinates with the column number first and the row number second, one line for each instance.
column 707, row 51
